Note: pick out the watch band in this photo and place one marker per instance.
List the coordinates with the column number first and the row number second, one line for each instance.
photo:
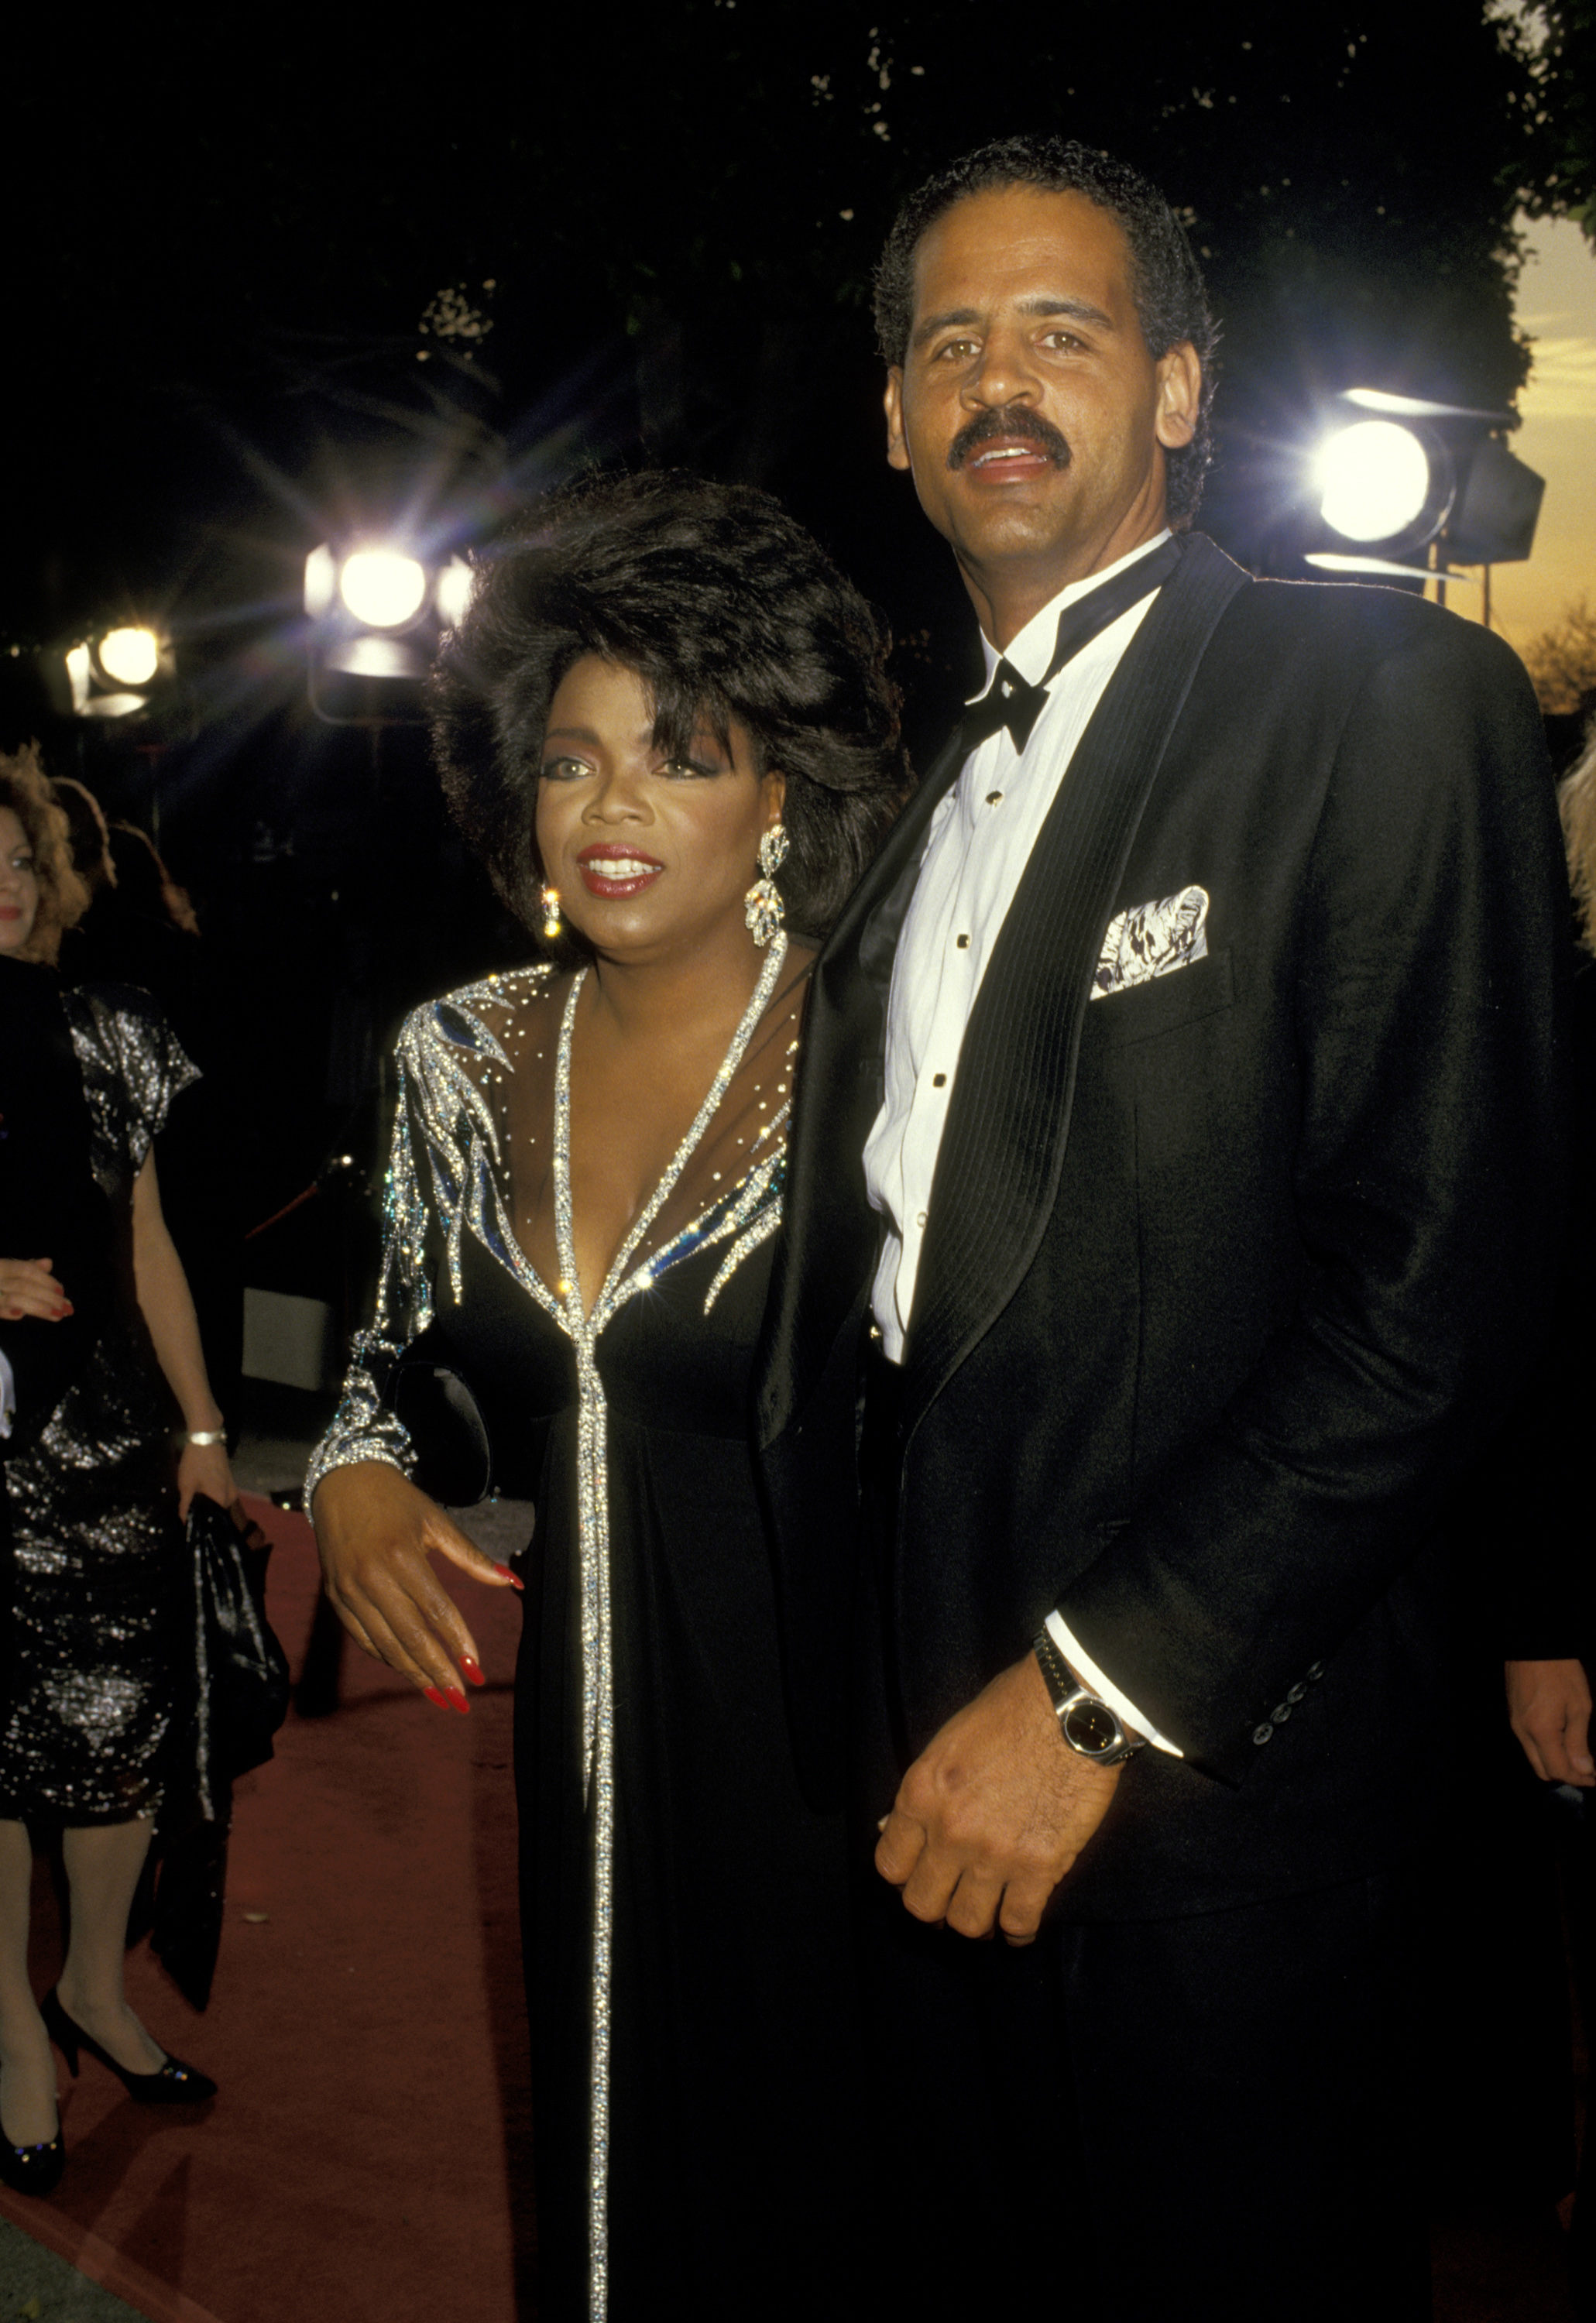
column 1087, row 1724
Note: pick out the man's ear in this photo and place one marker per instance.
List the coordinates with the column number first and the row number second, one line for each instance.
column 897, row 443
column 1179, row 396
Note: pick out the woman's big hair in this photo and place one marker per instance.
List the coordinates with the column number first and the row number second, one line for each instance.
column 727, row 610
column 27, row 790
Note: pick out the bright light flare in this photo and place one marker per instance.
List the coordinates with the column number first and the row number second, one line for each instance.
column 382, row 587
column 131, row 655
column 454, row 592
column 1376, row 479
column 321, row 582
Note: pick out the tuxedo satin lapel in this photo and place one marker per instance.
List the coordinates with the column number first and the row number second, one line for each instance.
column 1003, row 1148
column 829, row 1240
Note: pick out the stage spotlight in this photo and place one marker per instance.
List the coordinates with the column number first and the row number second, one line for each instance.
column 454, row 592
column 1424, row 476
column 129, row 656
column 376, row 612
column 1375, row 477
column 382, row 587
column 111, row 675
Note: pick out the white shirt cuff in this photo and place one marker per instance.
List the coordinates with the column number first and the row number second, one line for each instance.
column 7, row 1394
column 1091, row 1676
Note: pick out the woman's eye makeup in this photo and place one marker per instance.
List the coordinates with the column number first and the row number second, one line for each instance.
column 563, row 770
column 683, row 769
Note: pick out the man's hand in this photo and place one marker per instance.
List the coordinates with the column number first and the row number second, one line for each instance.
column 27, row 1287
column 993, row 1812
column 1549, row 1710
column 376, row 1534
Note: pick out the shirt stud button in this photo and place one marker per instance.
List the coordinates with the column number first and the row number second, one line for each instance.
column 964, row 943
column 938, row 1080
column 919, row 1221
column 995, row 798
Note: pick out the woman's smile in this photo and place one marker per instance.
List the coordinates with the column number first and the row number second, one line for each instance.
column 653, row 851
column 608, row 870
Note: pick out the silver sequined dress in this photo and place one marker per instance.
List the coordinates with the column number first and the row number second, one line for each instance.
column 684, row 1913
column 99, row 1552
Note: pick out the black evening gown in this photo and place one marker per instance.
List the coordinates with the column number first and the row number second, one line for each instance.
column 718, row 2113
column 101, row 1650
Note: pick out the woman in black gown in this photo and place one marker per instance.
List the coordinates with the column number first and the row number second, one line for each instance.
column 654, row 695
column 100, row 1651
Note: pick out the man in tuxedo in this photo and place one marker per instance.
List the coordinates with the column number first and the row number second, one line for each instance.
column 1173, row 1167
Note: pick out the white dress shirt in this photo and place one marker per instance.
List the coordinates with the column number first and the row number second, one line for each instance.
column 976, row 849
column 7, row 1394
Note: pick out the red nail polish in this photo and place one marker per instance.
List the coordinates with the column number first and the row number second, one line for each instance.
column 433, row 1695
column 506, row 1574
column 459, row 1702
column 474, row 1670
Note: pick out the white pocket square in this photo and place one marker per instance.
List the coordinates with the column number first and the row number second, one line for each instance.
column 1152, row 940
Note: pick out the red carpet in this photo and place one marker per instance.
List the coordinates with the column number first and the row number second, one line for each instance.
column 370, row 2157
column 369, row 2153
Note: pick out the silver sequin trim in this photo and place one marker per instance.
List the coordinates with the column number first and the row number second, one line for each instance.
column 463, row 1157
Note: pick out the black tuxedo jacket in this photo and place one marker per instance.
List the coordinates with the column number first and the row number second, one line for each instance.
column 1227, row 1273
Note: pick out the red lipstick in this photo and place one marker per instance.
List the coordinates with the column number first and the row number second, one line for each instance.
column 614, row 870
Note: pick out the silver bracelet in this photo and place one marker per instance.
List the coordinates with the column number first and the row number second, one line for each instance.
column 206, row 1436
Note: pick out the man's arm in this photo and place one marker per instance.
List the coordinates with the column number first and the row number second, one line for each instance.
column 1427, row 1188
column 993, row 1811
column 1549, row 1710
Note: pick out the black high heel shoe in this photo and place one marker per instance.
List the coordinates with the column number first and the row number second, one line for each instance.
column 32, row 2169
column 175, row 2083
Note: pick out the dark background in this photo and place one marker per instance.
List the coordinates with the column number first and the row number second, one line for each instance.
column 267, row 287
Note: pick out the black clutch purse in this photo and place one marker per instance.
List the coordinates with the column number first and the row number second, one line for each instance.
column 438, row 1411
column 242, row 1670
column 238, row 1699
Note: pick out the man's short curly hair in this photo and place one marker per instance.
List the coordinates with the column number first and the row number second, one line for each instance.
column 1171, row 304
column 726, row 610
column 27, row 790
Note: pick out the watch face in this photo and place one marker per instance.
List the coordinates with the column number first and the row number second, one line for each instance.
column 1091, row 1728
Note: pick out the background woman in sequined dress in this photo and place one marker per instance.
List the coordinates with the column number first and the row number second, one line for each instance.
column 655, row 692
column 99, row 1643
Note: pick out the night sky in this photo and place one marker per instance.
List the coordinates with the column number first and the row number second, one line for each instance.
column 272, row 284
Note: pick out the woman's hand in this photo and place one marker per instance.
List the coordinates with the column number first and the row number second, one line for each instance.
column 203, row 1468
column 27, row 1287
column 376, row 1532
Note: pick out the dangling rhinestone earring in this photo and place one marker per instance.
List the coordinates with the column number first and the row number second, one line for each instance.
column 764, row 906
column 551, row 915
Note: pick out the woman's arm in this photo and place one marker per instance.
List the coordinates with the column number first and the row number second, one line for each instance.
column 168, row 1310
column 375, row 1532
column 374, row 1529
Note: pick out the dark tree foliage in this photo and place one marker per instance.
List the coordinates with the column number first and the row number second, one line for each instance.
column 661, row 248
column 1560, row 175
column 268, row 285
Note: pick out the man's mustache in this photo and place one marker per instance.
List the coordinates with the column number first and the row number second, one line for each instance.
column 991, row 426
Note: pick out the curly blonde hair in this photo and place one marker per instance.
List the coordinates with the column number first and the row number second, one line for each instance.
column 1576, row 799
column 27, row 790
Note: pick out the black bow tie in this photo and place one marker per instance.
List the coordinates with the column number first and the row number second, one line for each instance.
column 1011, row 701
